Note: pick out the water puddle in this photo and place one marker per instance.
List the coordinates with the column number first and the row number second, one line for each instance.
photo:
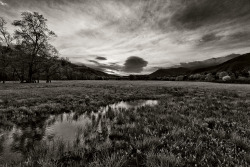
column 14, row 143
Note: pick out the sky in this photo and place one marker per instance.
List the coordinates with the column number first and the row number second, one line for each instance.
column 140, row 36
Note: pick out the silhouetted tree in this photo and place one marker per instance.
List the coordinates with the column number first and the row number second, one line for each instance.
column 5, row 49
column 19, row 63
column 33, row 35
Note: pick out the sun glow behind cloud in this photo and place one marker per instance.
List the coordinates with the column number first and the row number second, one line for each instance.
column 3, row 3
column 162, row 33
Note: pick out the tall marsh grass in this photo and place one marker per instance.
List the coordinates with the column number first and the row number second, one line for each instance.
column 193, row 125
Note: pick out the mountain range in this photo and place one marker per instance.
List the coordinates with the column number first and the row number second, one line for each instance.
column 231, row 63
column 207, row 63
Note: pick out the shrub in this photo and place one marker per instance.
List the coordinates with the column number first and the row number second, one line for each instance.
column 179, row 78
column 222, row 74
column 195, row 77
column 242, row 78
column 226, row 78
column 209, row 77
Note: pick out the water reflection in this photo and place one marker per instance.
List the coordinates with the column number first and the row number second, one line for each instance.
column 15, row 142
column 129, row 105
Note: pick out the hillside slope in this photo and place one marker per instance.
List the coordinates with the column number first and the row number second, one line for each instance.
column 238, row 63
column 170, row 72
column 83, row 72
column 208, row 62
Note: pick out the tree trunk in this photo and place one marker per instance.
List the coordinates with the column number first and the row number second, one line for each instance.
column 4, row 76
column 22, row 79
column 30, row 73
column 38, row 77
column 47, row 79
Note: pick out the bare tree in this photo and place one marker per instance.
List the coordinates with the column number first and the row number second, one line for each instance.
column 34, row 36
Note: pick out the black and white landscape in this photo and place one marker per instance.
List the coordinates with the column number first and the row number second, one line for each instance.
column 124, row 83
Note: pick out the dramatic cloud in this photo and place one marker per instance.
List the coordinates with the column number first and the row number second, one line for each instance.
column 101, row 58
column 93, row 61
column 134, row 64
column 195, row 13
column 3, row 3
column 242, row 36
column 163, row 32
column 210, row 38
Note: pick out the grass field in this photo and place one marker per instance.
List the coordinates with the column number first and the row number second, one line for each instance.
column 194, row 124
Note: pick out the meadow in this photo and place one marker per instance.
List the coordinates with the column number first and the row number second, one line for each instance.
column 194, row 124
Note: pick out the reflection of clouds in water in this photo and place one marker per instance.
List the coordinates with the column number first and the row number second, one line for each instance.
column 126, row 105
column 134, row 104
column 8, row 151
column 67, row 126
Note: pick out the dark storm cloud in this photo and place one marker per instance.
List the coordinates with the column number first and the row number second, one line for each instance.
column 93, row 61
column 49, row 2
column 134, row 64
column 101, row 58
column 235, row 40
column 210, row 37
column 3, row 3
column 197, row 13
column 243, row 36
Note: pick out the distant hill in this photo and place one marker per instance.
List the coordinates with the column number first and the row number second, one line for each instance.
column 208, row 62
column 239, row 63
column 89, row 72
column 234, row 63
column 170, row 72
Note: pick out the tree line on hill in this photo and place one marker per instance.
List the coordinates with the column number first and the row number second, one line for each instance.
column 28, row 56
column 222, row 76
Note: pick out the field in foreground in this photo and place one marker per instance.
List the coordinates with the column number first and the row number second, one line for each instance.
column 194, row 124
